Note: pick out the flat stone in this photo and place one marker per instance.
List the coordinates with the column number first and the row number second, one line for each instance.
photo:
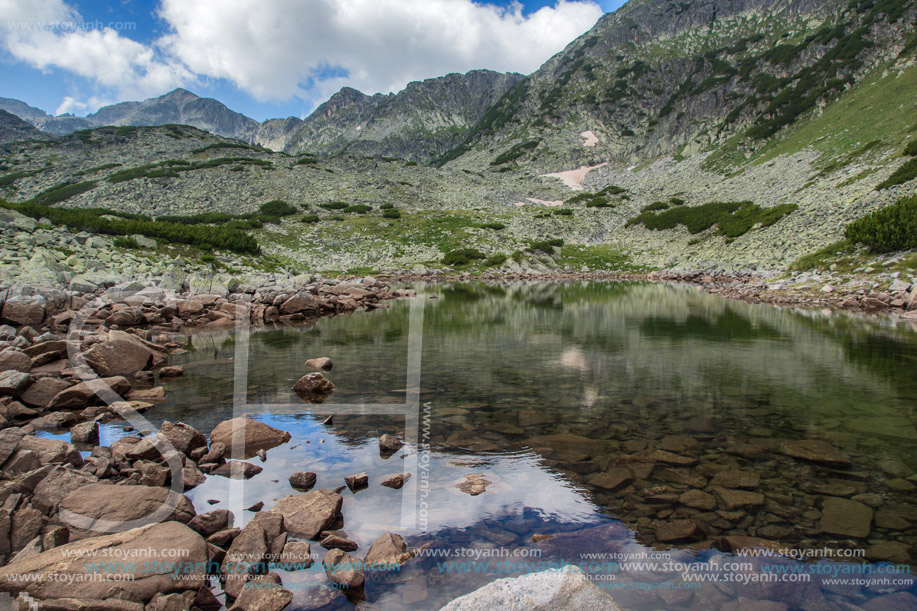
column 321, row 364
column 680, row 530
column 736, row 478
column 263, row 593
column 14, row 383
column 119, row 357
column 396, row 481
column 698, row 499
column 891, row 520
column 333, row 541
column 171, row 542
column 253, row 435
column 889, row 551
column 307, row 515
column 357, row 482
column 729, row 499
column 846, row 518
column 612, row 479
column 43, row 390
column 206, row 524
column 237, row 469
column 80, row 395
column 815, row 450
column 90, row 507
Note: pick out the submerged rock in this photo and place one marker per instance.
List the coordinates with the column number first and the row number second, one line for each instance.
column 566, row 588
column 846, row 518
column 815, row 450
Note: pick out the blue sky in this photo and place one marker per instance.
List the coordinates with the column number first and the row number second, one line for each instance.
column 271, row 58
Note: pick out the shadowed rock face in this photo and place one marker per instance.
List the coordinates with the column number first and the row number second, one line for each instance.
column 14, row 129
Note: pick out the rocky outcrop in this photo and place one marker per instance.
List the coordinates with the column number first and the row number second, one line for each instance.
column 104, row 504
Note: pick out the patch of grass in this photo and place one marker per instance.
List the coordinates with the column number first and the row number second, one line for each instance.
column 386, row 206
column 563, row 212
column 888, row 229
column 98, row 168
column 598, row 257
column 225, row 145
column 462, row 256
column 733, row 219
column 823, row 257
column 496, row 226
column 515, row 152
column 495, row 260
column 911, row 148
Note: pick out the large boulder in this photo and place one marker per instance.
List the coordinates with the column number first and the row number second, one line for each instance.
column 313, row 387
column 252, row 435
column 387, row 549
column 40, row 393
column 263, row 593
column 14, row 382
column 173, row 559
column 49, row 451
column 17, row 360
column 307, row 515
column 59, row 481
column 119, row 357
column 90, row 507
column 344, row 569
column 84, row 393
column 24, row 310
column 301, row 302
column 566, row 588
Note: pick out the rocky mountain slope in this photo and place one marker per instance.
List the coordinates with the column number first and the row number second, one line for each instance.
column 420, row 123
column 661, row 77
column 14, row 129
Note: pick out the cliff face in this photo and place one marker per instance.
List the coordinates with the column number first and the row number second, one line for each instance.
column 421, row 122
column 14, row 129
column 662, row 77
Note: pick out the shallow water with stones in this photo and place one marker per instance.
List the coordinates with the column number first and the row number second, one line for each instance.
column 548, row 391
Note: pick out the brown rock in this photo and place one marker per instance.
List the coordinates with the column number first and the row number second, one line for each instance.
column 899, row 601
column 57, row 483
column 183, row 437
column 736, row 478
column 333, row 541
column 237, row 469
column 321, row 364
column 680, row 530
column 14, row 383
column 846, row 518
column 396, row 481
column 344, row 569
column 389, row 444
column 90, row 507
column 297, row 555
column 85, row 432
column 387, row 549
column 43, row 390
column 252, row 435
column 206, row 524
column 139, row 581
column 698, row 499
column 357, row 482
column 612, row 479
column 474, row 484
column 307, row 515
column 301, row 302
column 263, row 593
column 313, row 387
column 175, row 371
column 82, row 394
column 734, row 499
column 815, row 450
column 24, row 311
column 119, row 357
column 303, row 480
column 737, row 544
column 155, row 395
column 50, row 451
column 15, row 360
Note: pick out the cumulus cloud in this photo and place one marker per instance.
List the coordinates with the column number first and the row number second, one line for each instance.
column 52, row 34
column 277, row 49
column 282, row 48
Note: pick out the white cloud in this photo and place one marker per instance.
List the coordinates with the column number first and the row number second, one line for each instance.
column 277, row 49
column 51, row 34
column 281, row 48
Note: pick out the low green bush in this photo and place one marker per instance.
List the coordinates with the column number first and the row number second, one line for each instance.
column 563, row 212
column 887, row 229
column 391, row 213
column 911, row 148
column 358, row 209
column 125, row 242
column 60, row 193
column 655, row 206
column 386, row 206
column 732, row 218
column 309, row 218
column 545, row 246
column 334, row 205
column 495, row 260
column 277, row 207
column 462, row 256
column 496, row 226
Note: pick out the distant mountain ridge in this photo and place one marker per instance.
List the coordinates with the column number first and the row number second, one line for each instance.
column 421, row 122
